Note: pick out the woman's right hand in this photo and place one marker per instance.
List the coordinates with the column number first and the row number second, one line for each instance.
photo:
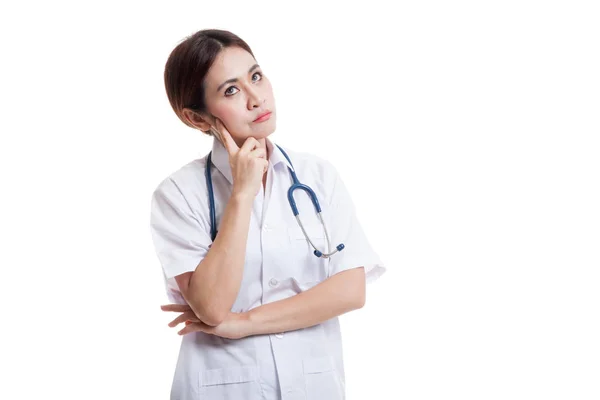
column 248, row 163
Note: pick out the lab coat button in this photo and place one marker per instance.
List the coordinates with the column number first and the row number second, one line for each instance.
column 273, row 282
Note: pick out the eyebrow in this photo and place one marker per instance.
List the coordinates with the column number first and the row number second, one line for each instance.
column 235, row 79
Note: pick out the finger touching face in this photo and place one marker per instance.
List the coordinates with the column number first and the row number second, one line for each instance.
column 225, row 137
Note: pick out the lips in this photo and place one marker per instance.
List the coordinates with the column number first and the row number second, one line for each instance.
column 263, row 116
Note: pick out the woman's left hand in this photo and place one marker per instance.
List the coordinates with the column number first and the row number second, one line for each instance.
column 235, row 325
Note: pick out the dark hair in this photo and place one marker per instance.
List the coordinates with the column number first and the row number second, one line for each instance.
column 188, row 65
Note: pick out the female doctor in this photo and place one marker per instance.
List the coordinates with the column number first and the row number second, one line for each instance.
column 258, row 289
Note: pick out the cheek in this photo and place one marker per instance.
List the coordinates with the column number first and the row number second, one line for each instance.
column 268, row 93
column 229, row 115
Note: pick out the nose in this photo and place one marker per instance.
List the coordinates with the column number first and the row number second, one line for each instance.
column 255, row 100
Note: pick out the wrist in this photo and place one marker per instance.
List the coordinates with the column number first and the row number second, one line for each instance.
column 251, row 322
column 241, row 197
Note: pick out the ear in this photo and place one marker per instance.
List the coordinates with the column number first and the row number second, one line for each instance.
column 199, row 120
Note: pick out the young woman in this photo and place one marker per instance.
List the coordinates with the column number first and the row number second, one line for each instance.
column 259, row 290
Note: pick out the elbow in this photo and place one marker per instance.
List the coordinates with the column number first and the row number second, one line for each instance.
column 361, row 298
column 210, row 314
column 356, row 297
column 208, row 308
column 361, row 290
column 210, row 318
column 362, row 301
column 213, row 319
column 354, row 288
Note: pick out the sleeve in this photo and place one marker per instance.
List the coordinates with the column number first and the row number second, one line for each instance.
column 346, row 229
column 181, row 240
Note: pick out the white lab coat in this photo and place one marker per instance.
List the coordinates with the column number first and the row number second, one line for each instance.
column 302, row 364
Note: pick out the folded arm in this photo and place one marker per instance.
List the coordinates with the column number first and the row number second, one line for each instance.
column 339, row 294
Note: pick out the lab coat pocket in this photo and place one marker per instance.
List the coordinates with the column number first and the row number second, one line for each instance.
column 321, row 379
column 307, row 268
column 230, row 383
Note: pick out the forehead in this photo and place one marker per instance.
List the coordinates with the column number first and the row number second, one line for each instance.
column 232, row 62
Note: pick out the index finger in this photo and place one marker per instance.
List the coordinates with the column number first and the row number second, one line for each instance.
column 176, row 307
column 228, row 141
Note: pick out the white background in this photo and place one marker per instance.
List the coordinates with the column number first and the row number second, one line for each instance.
column 466, row 131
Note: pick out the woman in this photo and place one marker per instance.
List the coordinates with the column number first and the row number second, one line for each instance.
column 260, row 308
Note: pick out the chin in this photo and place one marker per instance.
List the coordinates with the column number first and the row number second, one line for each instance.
column 264, row 132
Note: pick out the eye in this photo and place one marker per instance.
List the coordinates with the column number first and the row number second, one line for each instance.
column 229, row 93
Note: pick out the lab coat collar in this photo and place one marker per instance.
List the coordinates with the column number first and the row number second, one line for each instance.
column 220, row 158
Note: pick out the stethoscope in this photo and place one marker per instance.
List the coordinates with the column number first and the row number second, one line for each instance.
column 295, row 185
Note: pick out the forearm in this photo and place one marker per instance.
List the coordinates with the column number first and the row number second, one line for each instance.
column 337, row 295
column 215, row 284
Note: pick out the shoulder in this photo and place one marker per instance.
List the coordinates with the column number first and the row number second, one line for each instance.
column 184, row 183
